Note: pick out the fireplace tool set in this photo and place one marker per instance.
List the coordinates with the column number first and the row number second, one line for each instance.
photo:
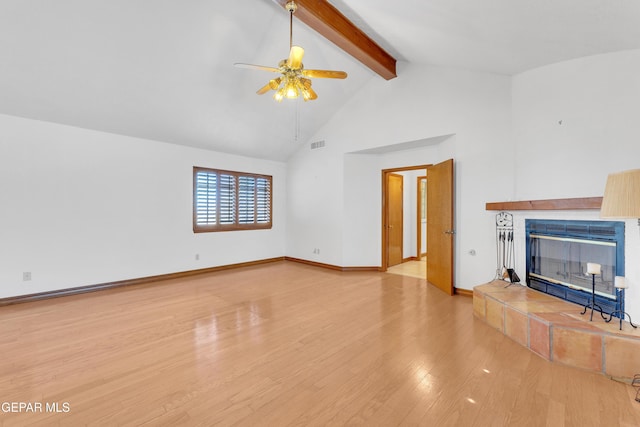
column 504, row 249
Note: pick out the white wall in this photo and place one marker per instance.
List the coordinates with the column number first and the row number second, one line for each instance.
column 362, row 215
column 362, row 220
column 596, row 99
column 315, row 213
column 573, row 124
column 73, row 232
column 552, row 132
column 423, row 102
column 82, row 207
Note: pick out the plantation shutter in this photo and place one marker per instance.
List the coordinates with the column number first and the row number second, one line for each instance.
column 206, row 200
column 246, row 199
column 225, row 200
column 227, row 197
column 263, row 201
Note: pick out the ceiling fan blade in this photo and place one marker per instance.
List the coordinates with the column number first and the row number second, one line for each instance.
column 324, row 74
column 257, row 67
column 295, row 57
column 272, row 85
column 264, row 89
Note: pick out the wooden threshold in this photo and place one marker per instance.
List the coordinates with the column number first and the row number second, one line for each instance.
column 549, row 204
column 330, row 23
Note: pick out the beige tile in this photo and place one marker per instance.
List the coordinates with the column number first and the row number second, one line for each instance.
column 569, row 321
column 622, row 357
column 495, row 313
column 496, row 285
column 556, row 330
column 516, row 326
column 479, row 305
column 577, row 348
column 539, row 341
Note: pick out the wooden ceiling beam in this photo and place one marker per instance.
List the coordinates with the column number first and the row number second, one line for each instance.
column 324, row 18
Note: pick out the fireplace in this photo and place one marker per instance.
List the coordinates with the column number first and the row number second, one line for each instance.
column 557, row 254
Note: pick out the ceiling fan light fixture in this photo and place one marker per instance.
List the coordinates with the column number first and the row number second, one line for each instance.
column 290, row 90
column 303, row 86
column 279, row 95
column 294, row 82
column 274, row 83
column 305, row 83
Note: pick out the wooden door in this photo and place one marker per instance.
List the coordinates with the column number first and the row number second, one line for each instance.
column 394, row 219
column 440, row 230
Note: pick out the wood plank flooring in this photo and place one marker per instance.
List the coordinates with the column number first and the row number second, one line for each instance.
column 410, row 268
column 286, row 344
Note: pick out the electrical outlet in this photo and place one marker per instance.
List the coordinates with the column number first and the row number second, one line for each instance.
column 197, row 257
column 26, row 276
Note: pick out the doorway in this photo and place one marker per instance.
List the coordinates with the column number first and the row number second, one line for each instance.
column 402, row 210
column 421, row 217
column 439, row 222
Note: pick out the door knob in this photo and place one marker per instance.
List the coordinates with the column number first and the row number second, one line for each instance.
column 450, row 232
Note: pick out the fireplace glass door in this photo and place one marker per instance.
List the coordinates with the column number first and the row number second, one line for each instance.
column 563, row 260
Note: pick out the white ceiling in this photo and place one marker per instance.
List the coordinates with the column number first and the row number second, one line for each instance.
column 162, row 69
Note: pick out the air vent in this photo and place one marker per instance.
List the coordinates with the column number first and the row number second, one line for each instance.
column 602, row 231
column 556, row 228
column 317, row 144
column 577, row 230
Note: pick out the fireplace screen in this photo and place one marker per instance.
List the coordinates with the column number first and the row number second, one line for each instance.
column 563, row 261
column 558, row 252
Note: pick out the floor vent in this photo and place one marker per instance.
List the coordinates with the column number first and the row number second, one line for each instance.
column 317, row 144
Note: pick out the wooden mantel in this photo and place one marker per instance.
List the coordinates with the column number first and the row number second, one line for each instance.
column 547, row 205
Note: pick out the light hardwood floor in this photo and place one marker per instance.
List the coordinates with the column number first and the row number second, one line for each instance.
column 286, row 344
column 411, row 268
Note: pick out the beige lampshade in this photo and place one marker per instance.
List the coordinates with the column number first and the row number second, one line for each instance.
column 622, row 195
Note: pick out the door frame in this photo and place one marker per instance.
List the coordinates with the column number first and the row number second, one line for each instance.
column 385, row 211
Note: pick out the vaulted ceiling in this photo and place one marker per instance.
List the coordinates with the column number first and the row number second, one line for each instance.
column 163, row 69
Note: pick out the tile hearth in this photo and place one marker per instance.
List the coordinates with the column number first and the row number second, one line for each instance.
column 555, row 329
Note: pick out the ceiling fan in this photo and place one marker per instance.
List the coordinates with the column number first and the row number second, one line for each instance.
column 294, row 80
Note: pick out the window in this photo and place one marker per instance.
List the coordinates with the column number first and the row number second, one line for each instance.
column 225, row 200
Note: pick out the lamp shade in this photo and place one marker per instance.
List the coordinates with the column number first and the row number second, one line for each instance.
column 622, row 195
